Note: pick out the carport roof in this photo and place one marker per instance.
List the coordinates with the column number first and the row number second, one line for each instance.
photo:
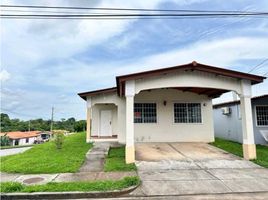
column 193, row 66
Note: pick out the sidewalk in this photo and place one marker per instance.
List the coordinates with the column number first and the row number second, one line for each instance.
column 91, row 170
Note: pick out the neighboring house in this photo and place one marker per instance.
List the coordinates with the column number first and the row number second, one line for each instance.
column 22, row 138
column 227, row 119
column 166, row 105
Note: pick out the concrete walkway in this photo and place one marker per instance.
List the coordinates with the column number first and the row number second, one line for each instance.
column 12, row 151
column 95, row 157
column 195, row 168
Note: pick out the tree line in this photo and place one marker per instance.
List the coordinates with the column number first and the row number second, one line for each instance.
column 40, row 124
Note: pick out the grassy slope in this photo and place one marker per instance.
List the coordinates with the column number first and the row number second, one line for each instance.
column 236, row 148
column 115, row 161
column 9, row 187
column 45, row 158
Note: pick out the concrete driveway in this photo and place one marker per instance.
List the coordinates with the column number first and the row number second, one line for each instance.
column 195, row 168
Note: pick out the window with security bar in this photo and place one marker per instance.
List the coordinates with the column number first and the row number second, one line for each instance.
column 262, row 115
column 145, row 113
column 187, row 113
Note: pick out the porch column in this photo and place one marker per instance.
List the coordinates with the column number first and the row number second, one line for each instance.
column 249, row 147
column 130, row 148
column 88, row 119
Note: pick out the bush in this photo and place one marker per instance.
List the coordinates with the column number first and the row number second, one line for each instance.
column 11, row 187
column 4, row 141
column 59, row 138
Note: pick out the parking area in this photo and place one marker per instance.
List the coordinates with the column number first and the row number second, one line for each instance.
column 195, row 168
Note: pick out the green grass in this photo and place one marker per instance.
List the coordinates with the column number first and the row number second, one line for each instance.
column 107, row 185
column 115, row 161
column 45, row 158
column 236, row 148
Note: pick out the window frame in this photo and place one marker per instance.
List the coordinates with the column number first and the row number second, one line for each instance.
column 146, row 102
column 256, row 122
column 187, row 123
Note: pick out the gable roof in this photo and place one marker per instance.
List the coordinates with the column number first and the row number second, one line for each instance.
column 193, row 66
column 84, row 95
column 20, row 134
column 230, row 103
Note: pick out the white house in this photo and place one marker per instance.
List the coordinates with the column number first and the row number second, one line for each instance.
column 22, row 138
column 167, row 105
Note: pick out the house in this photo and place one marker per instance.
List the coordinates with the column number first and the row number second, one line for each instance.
column 22, row 138
column 227, row 119
column 171, row 104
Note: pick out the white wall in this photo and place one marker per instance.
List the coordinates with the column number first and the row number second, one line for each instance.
column 165, row 130
column 96, row 109
column 22, row 141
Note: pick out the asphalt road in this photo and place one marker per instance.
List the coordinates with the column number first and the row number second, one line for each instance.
column 7, row 152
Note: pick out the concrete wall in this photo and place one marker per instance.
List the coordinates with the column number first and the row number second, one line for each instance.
column 229, row 127
column 257, row 135
column 165, row 130
column 22, row 141
column 96, row 110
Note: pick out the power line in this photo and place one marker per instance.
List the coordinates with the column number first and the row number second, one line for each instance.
column 120, row 9
column 258, row 65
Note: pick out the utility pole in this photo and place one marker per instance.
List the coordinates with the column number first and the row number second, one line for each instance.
column 29, row 126
column 51, row 123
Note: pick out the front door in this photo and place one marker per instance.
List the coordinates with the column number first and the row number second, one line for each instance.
column 106, row 123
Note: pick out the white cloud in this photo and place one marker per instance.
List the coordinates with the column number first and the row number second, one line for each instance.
column 4, row 75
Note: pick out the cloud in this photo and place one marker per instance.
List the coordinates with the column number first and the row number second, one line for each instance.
column 4, row 75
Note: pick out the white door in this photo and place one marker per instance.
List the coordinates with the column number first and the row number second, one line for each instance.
column 106, row 123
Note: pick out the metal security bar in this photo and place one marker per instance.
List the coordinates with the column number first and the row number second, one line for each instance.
column 262, row 115
column 187, row 113
column 145, row 113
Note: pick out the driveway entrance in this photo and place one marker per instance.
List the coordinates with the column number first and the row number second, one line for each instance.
column 195, row 168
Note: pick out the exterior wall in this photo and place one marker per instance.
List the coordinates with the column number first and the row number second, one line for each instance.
column 230, row 127
column 257, row 135
column 96, row 110
column 22, row 141
column 165, row 130
column 119, row 126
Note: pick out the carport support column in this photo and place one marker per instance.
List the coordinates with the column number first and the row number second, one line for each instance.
column 249, row 147
column 88, row 119
column 130, row 149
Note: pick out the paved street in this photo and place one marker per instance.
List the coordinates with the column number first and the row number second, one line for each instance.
column 195, row 168
column 6, row 152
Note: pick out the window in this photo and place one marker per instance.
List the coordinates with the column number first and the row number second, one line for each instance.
column 145, row 113
column 262, row 115
column 187, row 113
column 27, row 140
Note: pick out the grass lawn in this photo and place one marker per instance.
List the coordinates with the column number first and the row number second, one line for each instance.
column 115, row 161
column 45, row 158
column 9, row 187
column 14, row 147
column 236, row 148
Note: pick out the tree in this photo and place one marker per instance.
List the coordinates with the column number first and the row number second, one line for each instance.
column 59, row 138
column 4, row 140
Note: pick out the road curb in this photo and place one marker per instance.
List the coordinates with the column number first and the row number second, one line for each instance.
column 67, row 195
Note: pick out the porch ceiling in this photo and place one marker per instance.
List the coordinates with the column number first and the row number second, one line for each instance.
column 210, row 92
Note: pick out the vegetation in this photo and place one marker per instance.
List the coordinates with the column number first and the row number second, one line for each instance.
column 45, row 158
column 236, row 148
column 18, row 146
column 115, row 160
column 59, row 138
column 107, row 185
column 70, row 124
column 4, row 141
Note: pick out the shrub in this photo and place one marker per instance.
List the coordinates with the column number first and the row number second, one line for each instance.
column 4, row 141
column 59, row 138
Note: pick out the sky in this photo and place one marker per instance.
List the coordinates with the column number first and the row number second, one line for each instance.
column 45, row 63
